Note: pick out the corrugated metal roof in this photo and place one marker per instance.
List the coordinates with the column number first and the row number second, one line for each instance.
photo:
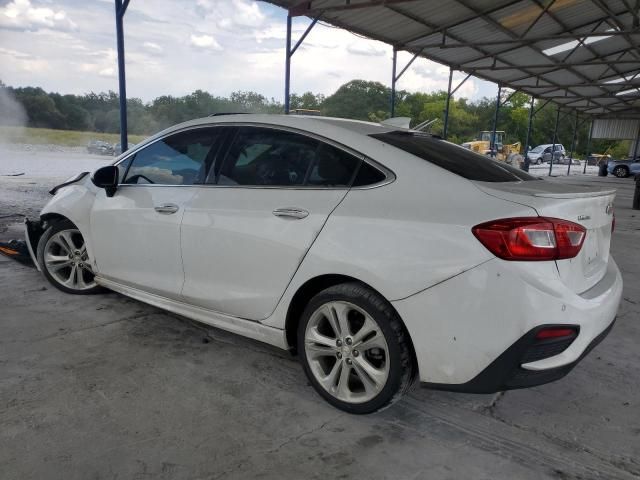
column 508, row 42
column 615, row 129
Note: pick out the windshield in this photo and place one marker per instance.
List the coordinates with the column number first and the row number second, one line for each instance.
column 453, row 158
column 537, row 149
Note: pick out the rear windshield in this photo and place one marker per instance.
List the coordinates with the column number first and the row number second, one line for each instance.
column 454, row 158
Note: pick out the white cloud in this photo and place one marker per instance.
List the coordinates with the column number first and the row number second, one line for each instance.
column 103, row 63
column 205, row 41
column 272, row 32
column 24, row 61
column 248, row 13
column 367, row 49
column 153, row 47
column 22, row 15
column 237, row 13
column 107, row 72
column 165, row 36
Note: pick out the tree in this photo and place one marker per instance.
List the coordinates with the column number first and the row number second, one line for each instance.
column 307, row 100
column 356, row 99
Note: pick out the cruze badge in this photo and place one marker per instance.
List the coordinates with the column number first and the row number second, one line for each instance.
column 609, row 209
column 584, row 217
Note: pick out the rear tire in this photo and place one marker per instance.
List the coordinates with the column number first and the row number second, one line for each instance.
column 63, row 259
column 354, row 349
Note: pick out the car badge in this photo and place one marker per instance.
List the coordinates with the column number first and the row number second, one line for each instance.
column 584, row 217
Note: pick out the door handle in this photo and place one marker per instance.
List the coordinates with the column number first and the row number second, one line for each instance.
column 291, row 212
column 167, row 208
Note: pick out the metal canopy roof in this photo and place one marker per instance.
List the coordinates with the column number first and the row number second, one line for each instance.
column 581, row 54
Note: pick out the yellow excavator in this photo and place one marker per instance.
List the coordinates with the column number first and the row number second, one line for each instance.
column 503, row 153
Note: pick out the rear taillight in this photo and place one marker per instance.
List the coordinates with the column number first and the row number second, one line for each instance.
column 556, row 333
column 531, row 238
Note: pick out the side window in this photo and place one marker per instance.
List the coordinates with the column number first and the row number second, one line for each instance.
column 333, row 167
column 180, row 159
column 263, row 156
column 368, row 175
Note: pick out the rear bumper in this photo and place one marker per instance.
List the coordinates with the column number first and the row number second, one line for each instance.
column 506, row 372
column 472, row 332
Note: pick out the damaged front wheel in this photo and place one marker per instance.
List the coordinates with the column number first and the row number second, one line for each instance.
column 63, row 258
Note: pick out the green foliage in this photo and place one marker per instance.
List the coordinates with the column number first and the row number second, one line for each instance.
column 308, row 101
column 46, row 136
column 357, row 99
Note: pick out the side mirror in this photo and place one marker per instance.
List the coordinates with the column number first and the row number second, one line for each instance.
column 107, row 178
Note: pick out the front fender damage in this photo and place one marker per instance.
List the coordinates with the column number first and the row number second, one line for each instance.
column 33, row 230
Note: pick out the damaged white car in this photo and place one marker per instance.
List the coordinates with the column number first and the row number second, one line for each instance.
column 381, row 255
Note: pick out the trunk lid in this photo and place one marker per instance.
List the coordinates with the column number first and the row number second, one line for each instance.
column 591, row 207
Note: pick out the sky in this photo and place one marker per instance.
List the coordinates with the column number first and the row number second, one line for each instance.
column 174, row 47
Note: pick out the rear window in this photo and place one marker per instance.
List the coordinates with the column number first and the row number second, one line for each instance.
column 453, row 158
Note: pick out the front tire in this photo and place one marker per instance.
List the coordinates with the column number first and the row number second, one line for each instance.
column 620, row 172
column 354, row 349
column 63, row 259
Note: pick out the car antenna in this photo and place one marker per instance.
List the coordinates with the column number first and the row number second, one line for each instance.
column 424, row 125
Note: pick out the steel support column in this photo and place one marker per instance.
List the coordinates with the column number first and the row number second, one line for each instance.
column 450, row 93
column 635, row 147
column 573, row 144
column 555, row 134
column 445, row 129
column 528, row 139
column 121, row 8
column 289, row 51
column 394, row 78
column 287, row 67
column 588, row 152
column 492, row 146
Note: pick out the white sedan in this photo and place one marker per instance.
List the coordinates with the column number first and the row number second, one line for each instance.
column 381, row 255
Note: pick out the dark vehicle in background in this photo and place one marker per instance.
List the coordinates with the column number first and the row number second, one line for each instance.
column 624, row 168
column 98, row 147
column 596, row 159
column 117, row 148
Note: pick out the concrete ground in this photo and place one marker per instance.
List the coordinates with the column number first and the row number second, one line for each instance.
column 104, row 387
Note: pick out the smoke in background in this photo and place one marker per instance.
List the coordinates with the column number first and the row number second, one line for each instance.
column 12, row 113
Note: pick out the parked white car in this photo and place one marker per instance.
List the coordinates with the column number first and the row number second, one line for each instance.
column 380, row 255
column 542, row 153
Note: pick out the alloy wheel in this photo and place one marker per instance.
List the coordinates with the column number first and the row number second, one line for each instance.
column 347, row 352
column 67, row 261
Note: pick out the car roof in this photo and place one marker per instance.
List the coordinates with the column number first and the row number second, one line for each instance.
column 312, row 123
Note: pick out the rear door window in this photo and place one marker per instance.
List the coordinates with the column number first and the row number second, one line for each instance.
column 454, row 158
column 260, row 156
column 269, row 157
